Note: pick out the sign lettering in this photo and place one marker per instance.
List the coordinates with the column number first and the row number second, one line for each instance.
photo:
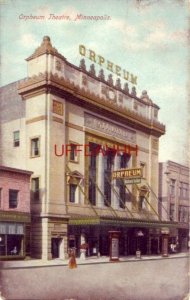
column 110, row 66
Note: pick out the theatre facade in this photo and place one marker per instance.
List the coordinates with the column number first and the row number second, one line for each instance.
column 76, row 127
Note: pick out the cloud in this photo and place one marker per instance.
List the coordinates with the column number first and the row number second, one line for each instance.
column 180, row 36
column 123, row 27
column 43, row 10
column 148, row 35
column 29, row 40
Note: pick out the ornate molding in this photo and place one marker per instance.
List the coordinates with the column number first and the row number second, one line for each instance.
column 109, row 128
column 51, row 81
column 74, row 126
column 36, row 119
column 58, row 120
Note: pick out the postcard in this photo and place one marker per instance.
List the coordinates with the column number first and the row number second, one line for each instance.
column 94, row 150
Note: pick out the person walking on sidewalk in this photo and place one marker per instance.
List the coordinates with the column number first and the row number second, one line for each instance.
column 72, row 259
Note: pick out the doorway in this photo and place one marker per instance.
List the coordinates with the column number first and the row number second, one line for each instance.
column 55, row 247
column 155, row 246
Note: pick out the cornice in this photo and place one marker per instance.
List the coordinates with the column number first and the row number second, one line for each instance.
column 53, row 83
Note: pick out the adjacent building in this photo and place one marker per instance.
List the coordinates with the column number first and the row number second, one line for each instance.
column 174, row 200
column 73, row 127
column 14, row 213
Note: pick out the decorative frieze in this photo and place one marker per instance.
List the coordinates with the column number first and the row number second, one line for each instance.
column 112, row 129
column 109, row 103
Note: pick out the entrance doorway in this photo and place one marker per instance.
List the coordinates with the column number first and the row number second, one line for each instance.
column 155, row 245
column 137, row 240
column 55, row 247
column 104, row 245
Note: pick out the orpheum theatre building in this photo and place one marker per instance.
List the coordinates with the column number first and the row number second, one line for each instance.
column 92, row 145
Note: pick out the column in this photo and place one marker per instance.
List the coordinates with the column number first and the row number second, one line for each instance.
column 61, row 249
column 115, row 198
column 100, row 180
column 46, row 250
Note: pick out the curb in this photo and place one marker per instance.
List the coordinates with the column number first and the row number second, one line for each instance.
column 79, row 263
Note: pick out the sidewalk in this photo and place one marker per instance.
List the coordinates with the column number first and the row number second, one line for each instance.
column 33, row 263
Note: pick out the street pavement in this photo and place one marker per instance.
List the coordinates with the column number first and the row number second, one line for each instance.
column 148, row 278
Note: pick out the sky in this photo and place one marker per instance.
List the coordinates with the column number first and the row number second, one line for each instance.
column 148, row 38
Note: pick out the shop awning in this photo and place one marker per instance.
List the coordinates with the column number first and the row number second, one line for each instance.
column 105, row 221
column 12, row 216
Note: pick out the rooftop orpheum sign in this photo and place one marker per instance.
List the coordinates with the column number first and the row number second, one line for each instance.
column 110, row 66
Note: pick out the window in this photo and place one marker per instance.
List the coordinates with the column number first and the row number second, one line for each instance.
column 124, row 160
column 92, row 192
column 92, row 173
column 128, row 196
column 185, row 190
column 109, row 161
column 16, row 138
column 183, row 214
column 180, row 189
column 35, row 147
column 172, row 212
column 35, row 188
column 2, row 244
column 122, row 195
column 141, row 202
column 72, row 193
column 94, row 150
column 180, row 216
column 73, row 152
column 13, row 198
column 172, row 187
column 109, row 158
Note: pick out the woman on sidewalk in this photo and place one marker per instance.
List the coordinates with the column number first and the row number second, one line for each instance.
column 72, row 259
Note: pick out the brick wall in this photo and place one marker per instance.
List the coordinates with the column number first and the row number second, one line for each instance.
column 15, row 181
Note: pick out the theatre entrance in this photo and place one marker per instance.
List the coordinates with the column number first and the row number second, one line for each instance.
column 137, row 240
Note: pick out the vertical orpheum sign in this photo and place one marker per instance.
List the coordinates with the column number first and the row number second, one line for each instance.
column 114, row 245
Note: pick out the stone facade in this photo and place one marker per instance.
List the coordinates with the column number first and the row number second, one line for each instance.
column 62, row 108
column 174, row 197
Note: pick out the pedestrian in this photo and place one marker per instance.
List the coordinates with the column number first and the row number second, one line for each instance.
column 72, row 259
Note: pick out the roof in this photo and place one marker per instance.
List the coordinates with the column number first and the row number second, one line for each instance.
column 15, row 170
column 45, row 48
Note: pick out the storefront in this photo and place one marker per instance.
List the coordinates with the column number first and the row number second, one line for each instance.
column 145, row 236
column 14, row 236
column 183, row 234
